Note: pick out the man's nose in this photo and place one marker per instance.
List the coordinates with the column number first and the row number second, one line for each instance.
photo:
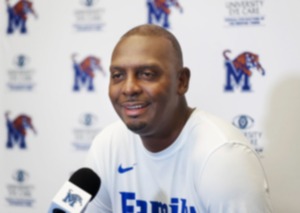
column 131, row 86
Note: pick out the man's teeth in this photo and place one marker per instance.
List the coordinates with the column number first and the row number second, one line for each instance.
column 135, row 107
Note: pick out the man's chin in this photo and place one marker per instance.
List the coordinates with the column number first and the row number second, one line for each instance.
column 136, row 127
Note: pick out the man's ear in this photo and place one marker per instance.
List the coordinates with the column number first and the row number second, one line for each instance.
column 183, row 80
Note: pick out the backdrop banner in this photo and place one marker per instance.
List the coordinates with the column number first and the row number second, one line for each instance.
column 54, row 61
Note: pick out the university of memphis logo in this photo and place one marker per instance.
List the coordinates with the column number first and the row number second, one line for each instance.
column 246, row 124
column 244, row 12
column 84, row 72
column 176, row 205
column 239, row 70
column 21, row 75
column 17, row 130
column 20, row 192
column 88, row 119
column 160, row 10
column 72, row 199
column 89, row 3
column 85, row 132
column 88, row 16
column 17, row 15
column 20, row 176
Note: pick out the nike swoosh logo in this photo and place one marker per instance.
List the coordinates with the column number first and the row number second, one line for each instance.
column 122, row 170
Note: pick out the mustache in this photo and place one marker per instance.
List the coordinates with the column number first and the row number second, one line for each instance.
column 132, row 99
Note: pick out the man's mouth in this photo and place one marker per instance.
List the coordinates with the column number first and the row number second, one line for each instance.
column 134, row 109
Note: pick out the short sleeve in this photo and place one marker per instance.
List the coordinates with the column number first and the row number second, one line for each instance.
column 233, row 181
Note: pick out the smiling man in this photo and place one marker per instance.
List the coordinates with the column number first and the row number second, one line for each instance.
column 147, row 86
column 164, row 156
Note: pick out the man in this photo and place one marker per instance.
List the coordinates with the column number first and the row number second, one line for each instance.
column 165, row 156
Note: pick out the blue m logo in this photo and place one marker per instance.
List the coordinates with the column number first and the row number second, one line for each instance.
column 16, row 130
column 159, row 11
column 17, row 15
column 239, row 70
column 234, row 77
column 84, row 72
column 72, row 198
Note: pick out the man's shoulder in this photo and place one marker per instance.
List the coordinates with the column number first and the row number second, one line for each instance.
column 208, row 132
column 211, row 125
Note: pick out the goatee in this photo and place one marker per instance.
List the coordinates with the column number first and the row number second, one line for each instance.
column 136, row 127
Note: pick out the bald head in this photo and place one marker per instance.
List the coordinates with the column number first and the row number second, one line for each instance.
column 156, row 31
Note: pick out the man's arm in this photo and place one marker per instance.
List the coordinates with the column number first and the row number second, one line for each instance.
column 233, row 181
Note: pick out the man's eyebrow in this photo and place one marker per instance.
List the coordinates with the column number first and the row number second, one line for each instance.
column 146, row 66
column 112, row 67
column 150, row 66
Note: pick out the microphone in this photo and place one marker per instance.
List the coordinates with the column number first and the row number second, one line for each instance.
column 56, row 210
column 76, row 193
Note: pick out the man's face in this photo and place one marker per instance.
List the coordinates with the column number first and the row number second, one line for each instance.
column 143, row 84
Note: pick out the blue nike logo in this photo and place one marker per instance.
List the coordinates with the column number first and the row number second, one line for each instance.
column 122, row 170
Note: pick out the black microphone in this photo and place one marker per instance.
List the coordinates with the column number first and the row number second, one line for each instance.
column 76, row 193
column 58, row 211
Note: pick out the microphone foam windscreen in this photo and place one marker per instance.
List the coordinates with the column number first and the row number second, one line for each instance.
column 87, row 180
column 58, row 211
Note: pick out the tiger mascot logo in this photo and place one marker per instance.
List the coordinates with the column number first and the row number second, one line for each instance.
column 17, row 15
column 241, row 68
column 159, row 11
column 17, row 129
column 84, row 71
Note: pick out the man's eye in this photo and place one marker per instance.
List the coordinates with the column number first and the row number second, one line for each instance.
column 146, row 75
column 116, row 76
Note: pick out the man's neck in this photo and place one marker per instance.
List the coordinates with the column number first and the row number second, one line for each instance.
column 160, row 142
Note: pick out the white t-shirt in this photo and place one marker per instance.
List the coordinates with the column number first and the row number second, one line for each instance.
column 210, row 168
